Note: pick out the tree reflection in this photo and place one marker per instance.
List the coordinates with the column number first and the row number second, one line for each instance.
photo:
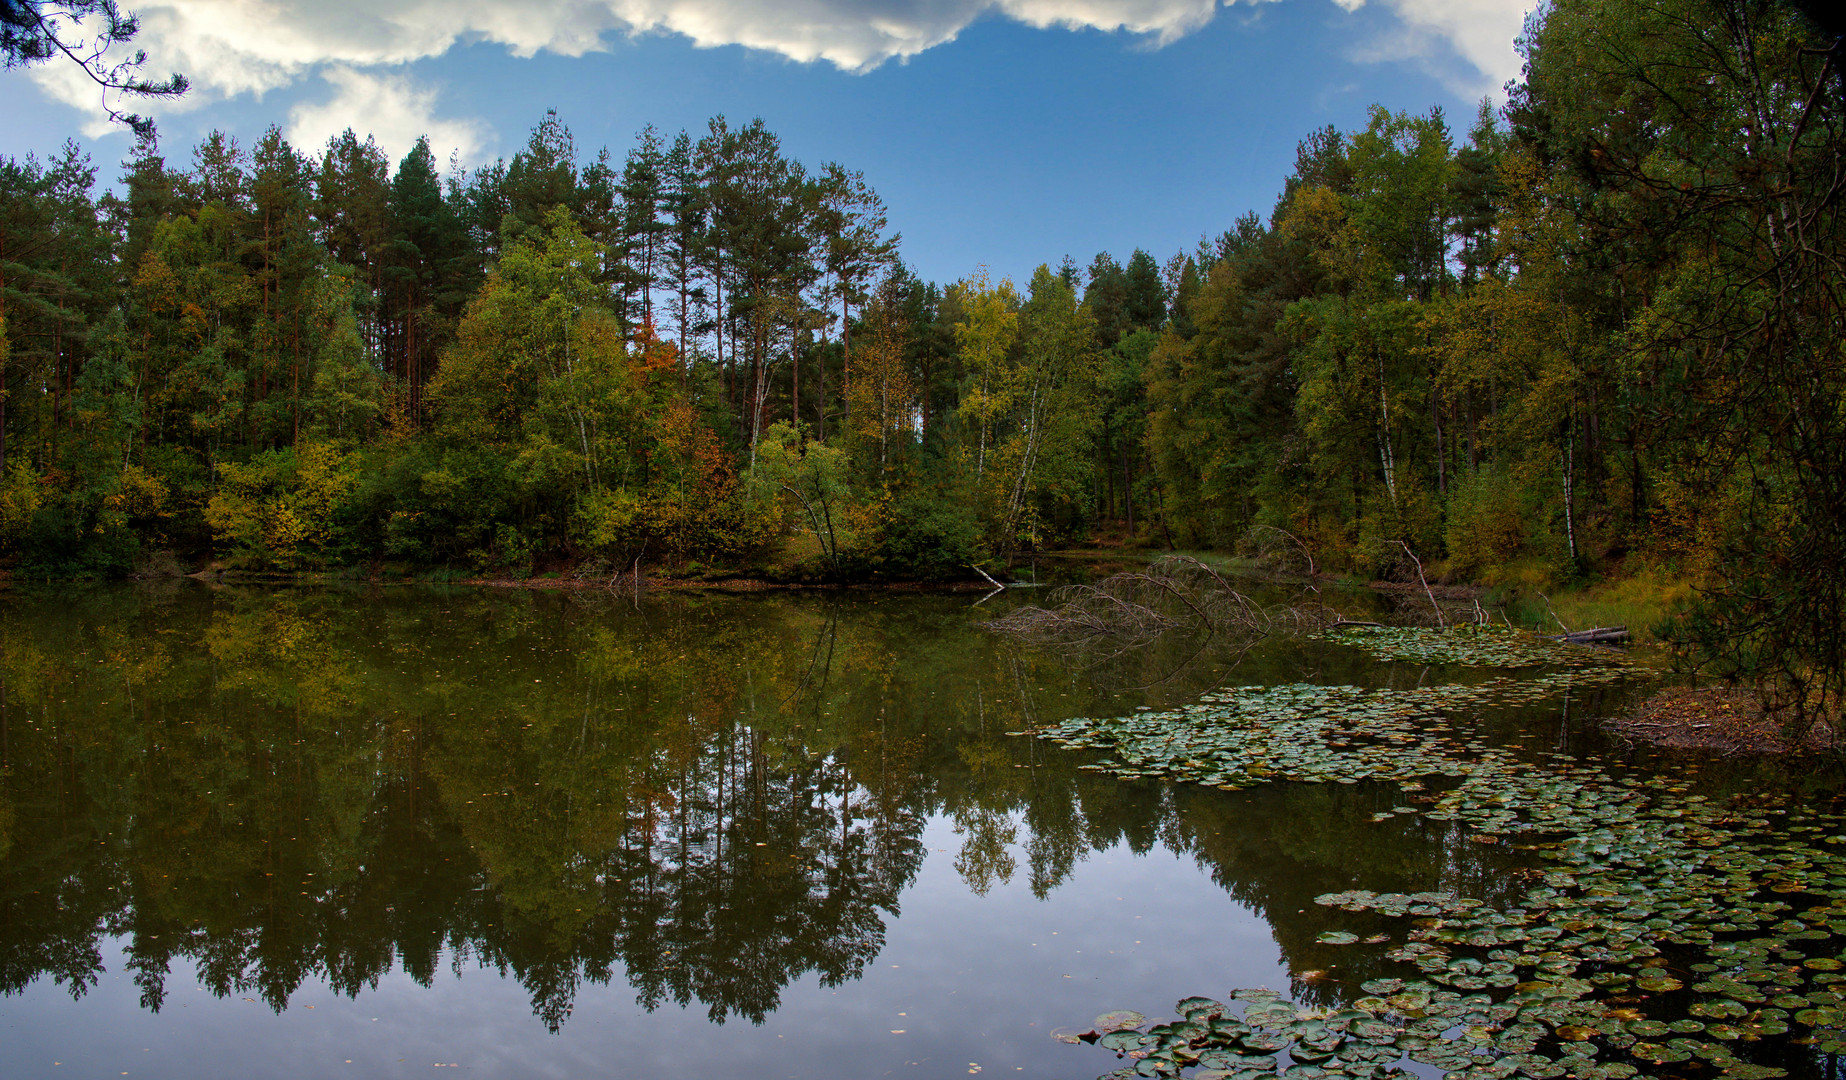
column 708, row 798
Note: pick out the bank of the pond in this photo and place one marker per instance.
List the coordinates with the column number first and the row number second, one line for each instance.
column 1724, row 719
column 1029, row 570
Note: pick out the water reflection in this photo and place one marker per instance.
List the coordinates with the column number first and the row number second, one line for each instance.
column 706, row 797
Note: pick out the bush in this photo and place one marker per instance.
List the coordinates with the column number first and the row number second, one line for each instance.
column 278, row 509
column 926, row 536
column 20, row 498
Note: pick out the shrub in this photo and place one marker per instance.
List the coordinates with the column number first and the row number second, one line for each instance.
column 927, row 536
column 278, row 509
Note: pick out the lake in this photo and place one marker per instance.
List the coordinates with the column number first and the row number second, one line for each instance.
column 365, row 832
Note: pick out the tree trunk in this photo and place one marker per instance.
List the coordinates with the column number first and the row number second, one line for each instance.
column 1128, row 491
column 730, row 378
column 1385, row 455
column 4, row 352
column 1442, row 475
column 1565, row 460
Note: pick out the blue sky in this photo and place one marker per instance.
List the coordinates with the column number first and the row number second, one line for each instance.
column 993, row 141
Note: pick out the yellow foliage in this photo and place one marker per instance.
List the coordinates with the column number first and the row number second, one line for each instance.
column 278, row 509
column 138, row 493
column 883, row 409
column 20, row 498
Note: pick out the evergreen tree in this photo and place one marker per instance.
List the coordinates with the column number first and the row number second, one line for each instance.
column 643, row 193
column 685, row 205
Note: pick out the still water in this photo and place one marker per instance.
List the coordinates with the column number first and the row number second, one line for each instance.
column 302, row 833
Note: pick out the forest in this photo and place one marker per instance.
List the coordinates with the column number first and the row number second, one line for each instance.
column 1595, row 335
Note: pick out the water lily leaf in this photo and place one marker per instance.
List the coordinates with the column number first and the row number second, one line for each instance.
column 1657, row 1053
column 1125, row 1040
column 1376, row 1032
column 1270, row 1014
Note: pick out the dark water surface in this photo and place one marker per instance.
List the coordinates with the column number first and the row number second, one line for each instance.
column 249, row 833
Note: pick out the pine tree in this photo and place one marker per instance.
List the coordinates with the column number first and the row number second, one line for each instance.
column 428, row 271
column 282, row 204
column 851, row 221
column 686, row 205
column 352, row 210
column 642, row 230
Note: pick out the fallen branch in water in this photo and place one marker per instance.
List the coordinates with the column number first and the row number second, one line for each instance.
column 1173, row 592
column 1602, row 635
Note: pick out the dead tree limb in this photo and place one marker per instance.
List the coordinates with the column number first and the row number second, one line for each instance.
column 1440, row 620
column 1553, row 614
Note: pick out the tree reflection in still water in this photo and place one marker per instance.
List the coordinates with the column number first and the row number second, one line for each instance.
column 706, row 797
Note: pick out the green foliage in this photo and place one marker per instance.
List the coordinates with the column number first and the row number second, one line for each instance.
column 926, row 536
column 805, row 486
column 1487, row 524
column 1585, row 341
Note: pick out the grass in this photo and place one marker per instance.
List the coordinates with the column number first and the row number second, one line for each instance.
column 1639, row 602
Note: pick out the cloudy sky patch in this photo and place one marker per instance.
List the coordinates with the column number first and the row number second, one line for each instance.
column 1004, row 132
column 234, row 47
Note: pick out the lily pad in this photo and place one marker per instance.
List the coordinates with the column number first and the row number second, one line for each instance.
column 1119, row 1020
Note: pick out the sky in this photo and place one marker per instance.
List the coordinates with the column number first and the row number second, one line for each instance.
column 999, row 134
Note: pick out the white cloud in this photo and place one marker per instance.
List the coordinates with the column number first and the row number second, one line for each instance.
column 1480, row 32
column 234, row 47
column 253, row 46
column 391, row 108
